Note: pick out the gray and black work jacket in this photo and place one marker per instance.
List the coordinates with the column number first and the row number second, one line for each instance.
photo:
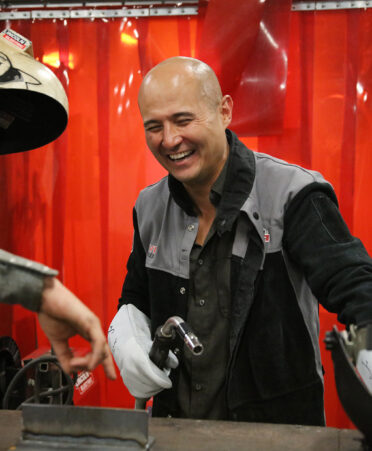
column 291, row 250
column 22, row 280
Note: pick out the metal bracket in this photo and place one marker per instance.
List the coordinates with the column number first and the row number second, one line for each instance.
column 99, row 13
column 328, row 6
column 74, row 428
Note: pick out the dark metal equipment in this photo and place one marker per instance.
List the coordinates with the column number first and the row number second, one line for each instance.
column 354, row 396
column 39, row 380
column 10, row 365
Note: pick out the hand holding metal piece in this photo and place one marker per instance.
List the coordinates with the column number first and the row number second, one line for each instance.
column 129, row 338
column 165, row 336
column 160, row 352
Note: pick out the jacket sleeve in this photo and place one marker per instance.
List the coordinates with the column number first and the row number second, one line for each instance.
column 22, row 280
column 336, row 264
column 135, row 288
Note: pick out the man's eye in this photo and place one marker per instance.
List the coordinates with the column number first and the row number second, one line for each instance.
column 154, row 128
column 183, row 122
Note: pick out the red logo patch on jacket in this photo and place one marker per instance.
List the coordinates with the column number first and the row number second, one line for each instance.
column 152, row 251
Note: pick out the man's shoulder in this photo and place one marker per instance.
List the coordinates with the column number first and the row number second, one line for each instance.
column 275, row 172
column 155, row 188
column 278, row 182
column 276, row 166
column 153, row 194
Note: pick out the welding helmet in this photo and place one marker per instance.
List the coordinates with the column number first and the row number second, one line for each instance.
column 352, row 361
column 33, row 103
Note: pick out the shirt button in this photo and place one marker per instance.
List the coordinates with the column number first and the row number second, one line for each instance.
column 190, row 227
column 256, row 215
column 201, row 302
column 198, row 387
column 200, row 261
column 182, row 290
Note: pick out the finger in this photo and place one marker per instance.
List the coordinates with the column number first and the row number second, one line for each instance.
column 80, row 363
column 105, row 358
column 63, row 354
column 100, row 349
column 100, row 353
column 172, row 361
column 84, row 364
column 109, row 367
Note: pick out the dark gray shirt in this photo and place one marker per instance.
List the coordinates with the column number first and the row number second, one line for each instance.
column 201, row 389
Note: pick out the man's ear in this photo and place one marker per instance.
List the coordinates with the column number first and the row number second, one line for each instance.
column 226, row 108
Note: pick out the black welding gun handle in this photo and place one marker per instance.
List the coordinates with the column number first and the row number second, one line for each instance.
column 160, row 349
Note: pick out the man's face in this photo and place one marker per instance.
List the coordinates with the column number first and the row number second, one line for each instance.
column 184, row 131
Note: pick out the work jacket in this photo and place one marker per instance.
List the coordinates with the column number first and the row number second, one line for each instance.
column 291, row 249
column 22, row 280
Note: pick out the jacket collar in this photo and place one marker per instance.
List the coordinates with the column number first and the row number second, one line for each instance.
column 236, row 179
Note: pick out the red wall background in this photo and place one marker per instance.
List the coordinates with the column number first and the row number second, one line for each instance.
column 301, row 83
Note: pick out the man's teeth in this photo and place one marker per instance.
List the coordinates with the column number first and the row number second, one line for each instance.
column 178, row 156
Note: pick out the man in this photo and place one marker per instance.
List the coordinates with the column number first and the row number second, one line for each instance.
column 242, row 246
column 34, row 112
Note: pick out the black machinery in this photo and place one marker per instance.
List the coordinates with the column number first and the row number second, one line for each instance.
column 352, row 388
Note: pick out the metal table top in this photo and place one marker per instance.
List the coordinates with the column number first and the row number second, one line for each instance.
column 181, row 435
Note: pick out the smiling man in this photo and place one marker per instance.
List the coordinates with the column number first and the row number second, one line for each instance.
column 242, row 246
column 185, row 118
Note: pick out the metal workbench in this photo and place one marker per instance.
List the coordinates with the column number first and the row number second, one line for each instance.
column 176, row 434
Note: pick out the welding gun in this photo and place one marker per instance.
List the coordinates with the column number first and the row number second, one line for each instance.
column 164, row 339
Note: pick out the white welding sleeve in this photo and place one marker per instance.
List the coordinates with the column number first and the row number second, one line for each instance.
column 130, row 341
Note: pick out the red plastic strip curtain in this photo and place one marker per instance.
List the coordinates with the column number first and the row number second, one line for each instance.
column 301, row 84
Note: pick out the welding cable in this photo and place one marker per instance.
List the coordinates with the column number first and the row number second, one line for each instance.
column 49, row 393
column 42, row 359
column 39, row 395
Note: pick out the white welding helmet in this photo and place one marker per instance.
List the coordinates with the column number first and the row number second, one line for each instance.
column 33, row 103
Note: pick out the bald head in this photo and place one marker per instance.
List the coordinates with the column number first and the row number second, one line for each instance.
column 182, row 72
column 185, row 118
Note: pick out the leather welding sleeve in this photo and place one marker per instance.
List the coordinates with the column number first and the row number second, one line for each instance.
column 130, row 341
column 22, row 280
column 337, row 267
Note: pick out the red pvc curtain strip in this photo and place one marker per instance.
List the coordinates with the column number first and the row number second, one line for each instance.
column 246, row 43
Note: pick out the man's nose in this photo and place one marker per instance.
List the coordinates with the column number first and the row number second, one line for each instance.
column 171, row 137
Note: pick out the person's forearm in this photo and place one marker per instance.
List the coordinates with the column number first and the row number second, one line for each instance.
column 337, row 266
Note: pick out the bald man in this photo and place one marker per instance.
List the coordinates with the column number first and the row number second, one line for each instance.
column 242, row 246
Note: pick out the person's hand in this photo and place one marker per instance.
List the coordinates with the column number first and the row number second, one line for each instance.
column 62, row 315
column 130, row 341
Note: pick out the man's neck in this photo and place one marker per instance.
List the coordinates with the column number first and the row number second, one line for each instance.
column 200, row 196
column 206, row 211
column 200, row 192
